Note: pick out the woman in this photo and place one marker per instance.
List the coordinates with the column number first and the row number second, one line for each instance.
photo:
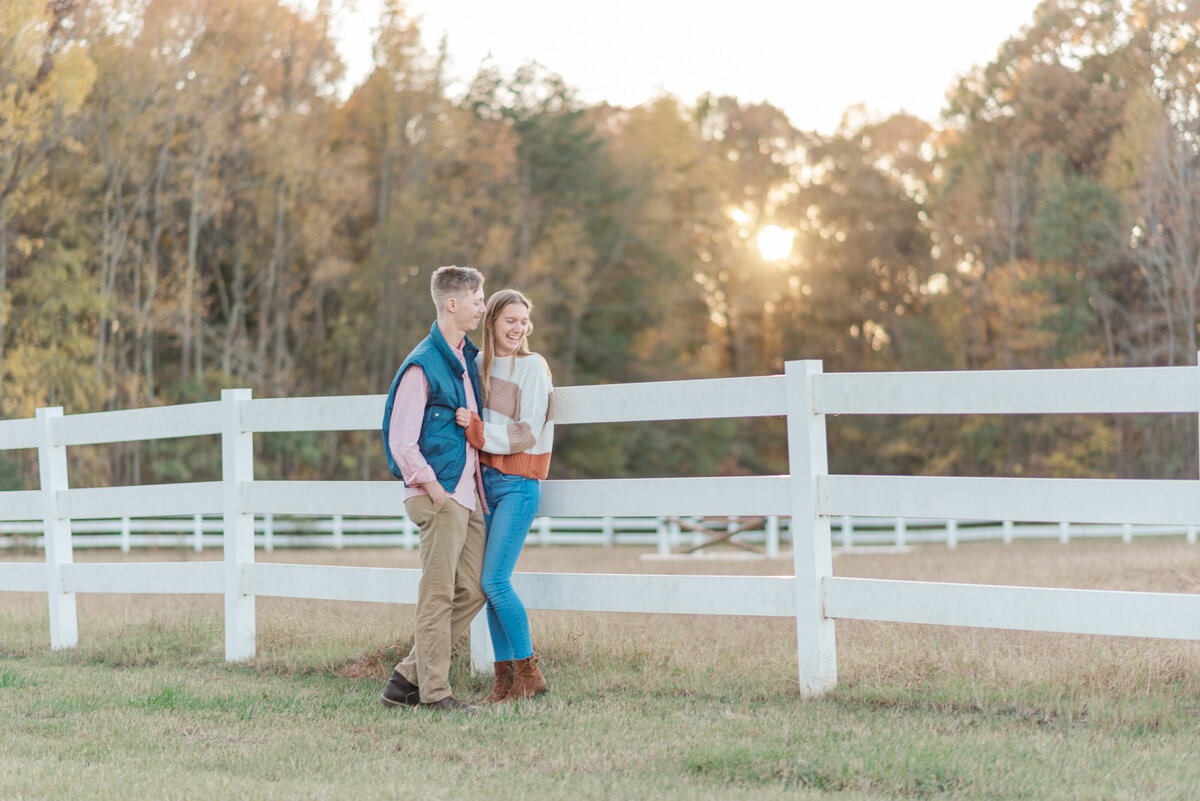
column 514, row 437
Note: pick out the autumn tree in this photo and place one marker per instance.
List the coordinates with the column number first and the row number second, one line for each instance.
column 867, row 258
column 45, row 77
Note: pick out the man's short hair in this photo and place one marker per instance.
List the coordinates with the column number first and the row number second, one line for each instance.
column 448, row 281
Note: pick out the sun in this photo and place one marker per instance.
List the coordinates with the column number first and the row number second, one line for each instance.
column 774, row 243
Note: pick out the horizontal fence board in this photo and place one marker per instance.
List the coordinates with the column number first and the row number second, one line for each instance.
column 23, row 577
column 332, row 583
column 1082, row 500
column 323, row 497
column 18, row 434
column 737, row 495
column 335, row 413
column 21, row 505
column 773, row 596
column 656, row 594
column 683, row 497
column 198, row 497
column 1067, row 611
column 1135, row 390
column 158, row 578
column 702, row 399
column 130, row 425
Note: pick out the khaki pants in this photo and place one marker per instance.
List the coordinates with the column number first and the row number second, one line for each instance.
column 453, row 541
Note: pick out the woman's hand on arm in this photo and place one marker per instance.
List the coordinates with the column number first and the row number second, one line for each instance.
column 473, row 423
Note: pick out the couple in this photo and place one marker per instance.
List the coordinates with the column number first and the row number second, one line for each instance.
column 473, row 483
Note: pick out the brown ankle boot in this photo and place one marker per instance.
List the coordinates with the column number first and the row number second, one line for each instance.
column 528, row 681
column 504, row 682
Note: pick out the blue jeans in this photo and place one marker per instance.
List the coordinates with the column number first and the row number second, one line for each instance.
column 513, row 503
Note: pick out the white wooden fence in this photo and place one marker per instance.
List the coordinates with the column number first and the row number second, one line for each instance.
column 340, row 531
column 809, row 495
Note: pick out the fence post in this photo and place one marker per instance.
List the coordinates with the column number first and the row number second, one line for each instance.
column 237, row 468
column 901, row 533
column 951, row 533
column 125, row 533
column 482, row 656
column 337, row 533
column 268, row 532
column 812, row 553
column 1008, row 532
column 52, row 470
column 1127, row 533
column 410, row 533
column 1064, row 532
column 607, row 533
column 772, row 537
column 198, row 533
column 847, row 532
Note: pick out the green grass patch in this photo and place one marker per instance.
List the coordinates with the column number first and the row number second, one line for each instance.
column 12, row 679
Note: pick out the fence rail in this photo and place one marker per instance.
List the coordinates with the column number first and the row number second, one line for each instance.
column 817, row 503
column 133, row 425
column 1140, row 614
column 1124, row 390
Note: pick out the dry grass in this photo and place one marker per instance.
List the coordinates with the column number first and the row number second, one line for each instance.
column 642, row 706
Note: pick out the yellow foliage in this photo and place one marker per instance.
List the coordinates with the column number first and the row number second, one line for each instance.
column 31, row 110
column 23, row 26
column 72, row 79
column 1090, row 444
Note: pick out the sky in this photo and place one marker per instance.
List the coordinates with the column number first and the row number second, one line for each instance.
column 811, row 58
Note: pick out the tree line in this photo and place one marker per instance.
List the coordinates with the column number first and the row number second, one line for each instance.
column 186, row 203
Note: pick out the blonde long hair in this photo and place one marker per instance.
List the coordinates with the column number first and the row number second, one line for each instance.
column 495, row 305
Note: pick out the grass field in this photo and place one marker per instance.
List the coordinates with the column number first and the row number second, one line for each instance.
column 642, row 707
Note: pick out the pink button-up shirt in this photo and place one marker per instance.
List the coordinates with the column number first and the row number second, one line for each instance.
column 405, row 434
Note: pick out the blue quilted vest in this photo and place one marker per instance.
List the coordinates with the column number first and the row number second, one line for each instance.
column 443, row 442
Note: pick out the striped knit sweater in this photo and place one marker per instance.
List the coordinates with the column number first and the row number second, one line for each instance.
column 516, row 433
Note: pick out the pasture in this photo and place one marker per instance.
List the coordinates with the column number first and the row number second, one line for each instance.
column 642, row 706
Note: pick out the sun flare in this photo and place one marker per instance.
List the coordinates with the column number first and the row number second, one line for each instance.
column 774, row 243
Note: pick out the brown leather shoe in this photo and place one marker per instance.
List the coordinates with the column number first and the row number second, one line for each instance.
column 399, row 691
column 527, row 680
column 504, row 681
column 451, row 704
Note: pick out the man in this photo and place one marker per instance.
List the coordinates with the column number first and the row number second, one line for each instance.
column 444, row 496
